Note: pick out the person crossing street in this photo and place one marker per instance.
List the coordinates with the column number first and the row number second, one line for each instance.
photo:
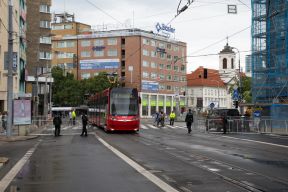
column 189, row 120
column 84, row 124
column 172, row 118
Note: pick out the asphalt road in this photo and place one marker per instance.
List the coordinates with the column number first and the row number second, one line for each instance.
column 155, row 159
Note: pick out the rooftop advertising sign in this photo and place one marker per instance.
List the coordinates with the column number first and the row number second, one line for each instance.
column 99, row 64
column 164, row 29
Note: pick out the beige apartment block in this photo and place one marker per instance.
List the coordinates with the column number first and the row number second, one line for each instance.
column 17, row 13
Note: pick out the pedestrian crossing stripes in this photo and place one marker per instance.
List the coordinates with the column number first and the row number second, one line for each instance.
column 142, row 126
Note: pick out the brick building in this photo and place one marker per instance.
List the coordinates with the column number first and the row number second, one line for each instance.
column 154, row 64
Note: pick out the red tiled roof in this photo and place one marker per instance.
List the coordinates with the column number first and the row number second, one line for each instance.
column 196, row 78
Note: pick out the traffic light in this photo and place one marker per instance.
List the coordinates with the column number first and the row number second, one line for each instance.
column 205, row 73
column 235, row 103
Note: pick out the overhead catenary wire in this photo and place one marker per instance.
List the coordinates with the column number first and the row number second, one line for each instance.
column 104, row 12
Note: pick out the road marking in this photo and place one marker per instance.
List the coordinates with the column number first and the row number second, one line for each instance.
column 152, row 126
column 143, row 127
column 156, row 180
column 4, row 183
column 277, row 145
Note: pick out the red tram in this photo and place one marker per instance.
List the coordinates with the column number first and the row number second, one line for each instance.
column 115, row 109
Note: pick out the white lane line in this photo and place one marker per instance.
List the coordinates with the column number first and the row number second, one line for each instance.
column 4, row 183
column 152, row 126
column 143, row 126
column 156, row 180
column 277, row 145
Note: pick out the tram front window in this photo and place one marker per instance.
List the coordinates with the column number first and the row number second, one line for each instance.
column 123, row 104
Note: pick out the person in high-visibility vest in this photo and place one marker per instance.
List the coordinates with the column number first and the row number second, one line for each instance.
column 73, row 116
column 172, row 118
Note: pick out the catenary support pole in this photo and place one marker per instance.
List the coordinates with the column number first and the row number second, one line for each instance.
column 10, row 71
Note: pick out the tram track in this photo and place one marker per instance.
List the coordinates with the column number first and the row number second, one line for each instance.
column 207, row 163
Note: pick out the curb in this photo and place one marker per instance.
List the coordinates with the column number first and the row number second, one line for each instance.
column 16, row 138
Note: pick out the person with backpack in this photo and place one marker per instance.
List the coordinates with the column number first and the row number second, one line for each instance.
column 84, row 124
column 57, row 123
column 189, row 120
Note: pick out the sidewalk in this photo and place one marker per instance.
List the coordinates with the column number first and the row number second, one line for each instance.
column 16, row 138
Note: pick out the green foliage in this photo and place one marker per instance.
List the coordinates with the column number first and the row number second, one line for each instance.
column 70, row 92
column 245, row 89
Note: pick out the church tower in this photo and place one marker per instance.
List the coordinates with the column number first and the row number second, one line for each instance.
column 227, row 62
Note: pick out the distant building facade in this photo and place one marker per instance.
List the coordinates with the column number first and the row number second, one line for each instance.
column 39, row 53
column 154, row 64
column 248, row 65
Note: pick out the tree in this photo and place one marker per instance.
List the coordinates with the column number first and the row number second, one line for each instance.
column 70, row 92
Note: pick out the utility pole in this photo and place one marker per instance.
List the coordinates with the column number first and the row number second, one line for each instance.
column 10, row 71
column 45, row 110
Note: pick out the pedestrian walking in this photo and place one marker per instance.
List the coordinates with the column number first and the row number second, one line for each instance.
column 156, row 116
column 84, row 124
column 172, row 118
column 225, row 122
column 70, row 118
column 161, row 119
column 73, row 116
column 4, row 121
column 189, row 120
column 57, row 123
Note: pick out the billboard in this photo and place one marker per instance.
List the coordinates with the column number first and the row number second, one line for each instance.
column 150, row 86
column 22, row 112
column 99, row 64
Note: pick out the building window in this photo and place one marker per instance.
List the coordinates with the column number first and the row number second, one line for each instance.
column 168, row 77
column 168, row 67
column 153, row 54
column 64, row 44
column 99, row 42
column 145, row 52
column 99, row 53
column 162, row 87
column 85, row 75
column 145, row 74
column 224, row 63
column 153, row 65
column 65, row 55
column 85, row 43
column 162, row 77
column 45, row 24
column 183, row 78
column 176, row 68
column 169, row 57
column 145, row 64
column 145, row 41
column 162, row 45
column 161, row 66
column 112, row 52
column 176, row 78
column 183, row 68
column 112, row 41
column 45, row 40
column 85, row 54
column 153, row 43
column 169, row 46
column 176, row 48
column 45, row 55
column 162, row 55
column 44, row 8
column 153, row 75
column 232, row 63
column 169, row 87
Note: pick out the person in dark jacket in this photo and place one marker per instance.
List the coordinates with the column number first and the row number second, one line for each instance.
column 84, row 124
column 189, row 120
column 225, row 121
column 57, row 123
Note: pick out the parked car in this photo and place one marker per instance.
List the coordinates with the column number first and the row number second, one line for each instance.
column 215, row 118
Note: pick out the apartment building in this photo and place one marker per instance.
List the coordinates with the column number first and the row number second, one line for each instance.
column 154, row 64
column 19, row 49
column 38, row 52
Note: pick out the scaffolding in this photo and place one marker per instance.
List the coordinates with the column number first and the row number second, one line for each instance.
column 269, row 51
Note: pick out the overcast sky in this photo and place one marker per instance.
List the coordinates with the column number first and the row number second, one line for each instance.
column 204, row 26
